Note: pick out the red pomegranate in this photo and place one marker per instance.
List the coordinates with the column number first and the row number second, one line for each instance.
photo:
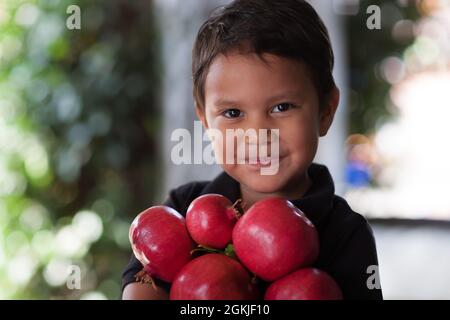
column 161, row 242
column 210, row 219
column 213, row 276
column 304, row 284
column 274, row 238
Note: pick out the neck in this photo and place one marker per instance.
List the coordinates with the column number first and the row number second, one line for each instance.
column 290, row 192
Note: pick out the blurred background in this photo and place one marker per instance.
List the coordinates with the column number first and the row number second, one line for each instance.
column 86, row 117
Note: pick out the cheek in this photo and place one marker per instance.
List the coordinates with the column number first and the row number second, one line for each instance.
column 217, row 133
column 221, row 125
column 214, row 128
column 301, row 135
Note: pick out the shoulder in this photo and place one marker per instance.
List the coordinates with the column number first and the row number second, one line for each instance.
column 344, row 227
column 347, row 250
column 344, row 218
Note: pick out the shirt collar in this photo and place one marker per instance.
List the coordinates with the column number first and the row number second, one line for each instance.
column 316, row 203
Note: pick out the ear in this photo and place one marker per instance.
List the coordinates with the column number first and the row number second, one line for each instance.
column 201, row 115
column 327, row 114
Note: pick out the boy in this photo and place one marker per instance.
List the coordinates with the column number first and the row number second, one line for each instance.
column 267, row 64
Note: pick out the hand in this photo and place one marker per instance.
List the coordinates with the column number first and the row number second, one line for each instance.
column 144, row 291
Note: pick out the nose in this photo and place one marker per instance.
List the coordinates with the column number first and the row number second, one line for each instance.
column 260, row 123
column 264, row 138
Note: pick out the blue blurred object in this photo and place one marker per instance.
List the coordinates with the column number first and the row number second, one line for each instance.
column 357, row 174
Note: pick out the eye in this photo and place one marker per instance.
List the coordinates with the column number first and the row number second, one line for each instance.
column 232, row 113
column 282, row 107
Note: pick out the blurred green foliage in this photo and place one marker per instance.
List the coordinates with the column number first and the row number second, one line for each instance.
column 79, row 121
column 369, row 102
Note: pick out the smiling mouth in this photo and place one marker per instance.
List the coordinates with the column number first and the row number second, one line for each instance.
column 262, row 162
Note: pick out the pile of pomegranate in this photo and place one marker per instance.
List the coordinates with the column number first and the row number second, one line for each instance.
column 218, row 253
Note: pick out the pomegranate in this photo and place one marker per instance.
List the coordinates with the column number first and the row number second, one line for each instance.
column 274, row 238
column 304, row 284
column 210, row 219
column 213, row 276
column 161, row 242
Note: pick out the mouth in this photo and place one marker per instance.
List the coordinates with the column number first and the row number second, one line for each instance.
column 263, row 162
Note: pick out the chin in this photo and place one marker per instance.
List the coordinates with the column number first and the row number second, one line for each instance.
column 263, row 183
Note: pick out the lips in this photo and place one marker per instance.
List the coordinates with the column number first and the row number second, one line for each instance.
column 265, row 161
column 261, row 162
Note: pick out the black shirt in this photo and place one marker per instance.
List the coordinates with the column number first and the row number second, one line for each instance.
column 347, row 245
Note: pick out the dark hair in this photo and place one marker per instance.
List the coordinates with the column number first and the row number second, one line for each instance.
column 287, row 28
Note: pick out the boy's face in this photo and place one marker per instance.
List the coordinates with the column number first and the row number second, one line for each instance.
column 244, row 92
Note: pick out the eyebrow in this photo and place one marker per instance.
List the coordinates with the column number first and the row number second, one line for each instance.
column 225, row 103
column 284, row 95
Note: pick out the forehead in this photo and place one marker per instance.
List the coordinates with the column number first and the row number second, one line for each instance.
column 243, row 76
